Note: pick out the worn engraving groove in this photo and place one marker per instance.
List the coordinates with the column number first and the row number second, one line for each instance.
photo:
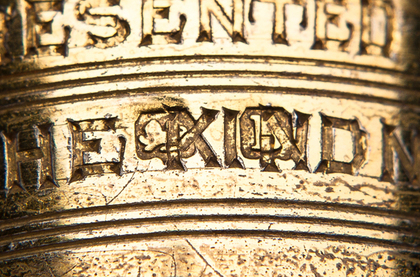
column 37, row 91
column 208, row 233
column 189, row 256
column 119, row 94
column 257, row 203
column 203, row 59
column 327, row 73
column 197, row 219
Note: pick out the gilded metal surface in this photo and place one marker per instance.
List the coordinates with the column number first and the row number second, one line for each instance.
column 209, row 138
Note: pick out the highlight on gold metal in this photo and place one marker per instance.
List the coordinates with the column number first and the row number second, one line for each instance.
column 209, row 138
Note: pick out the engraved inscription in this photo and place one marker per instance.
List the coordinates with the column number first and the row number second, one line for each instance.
column 377, row 27
column 400, row 160
column 342, row 21
column 264, row 137
column 97, row 149
column 234, row 24
column 338, row 134
column 48, row 30
column 55, row 27
column 27, row 160
column 5, row 14
column 268, row 134
column 232, row 159
column 163, row 22
column 184, row 136
column 105, row 23
column 294, row 24
column 11, row 32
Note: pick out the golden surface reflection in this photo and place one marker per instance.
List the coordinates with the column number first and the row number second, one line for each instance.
column 209, row 138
